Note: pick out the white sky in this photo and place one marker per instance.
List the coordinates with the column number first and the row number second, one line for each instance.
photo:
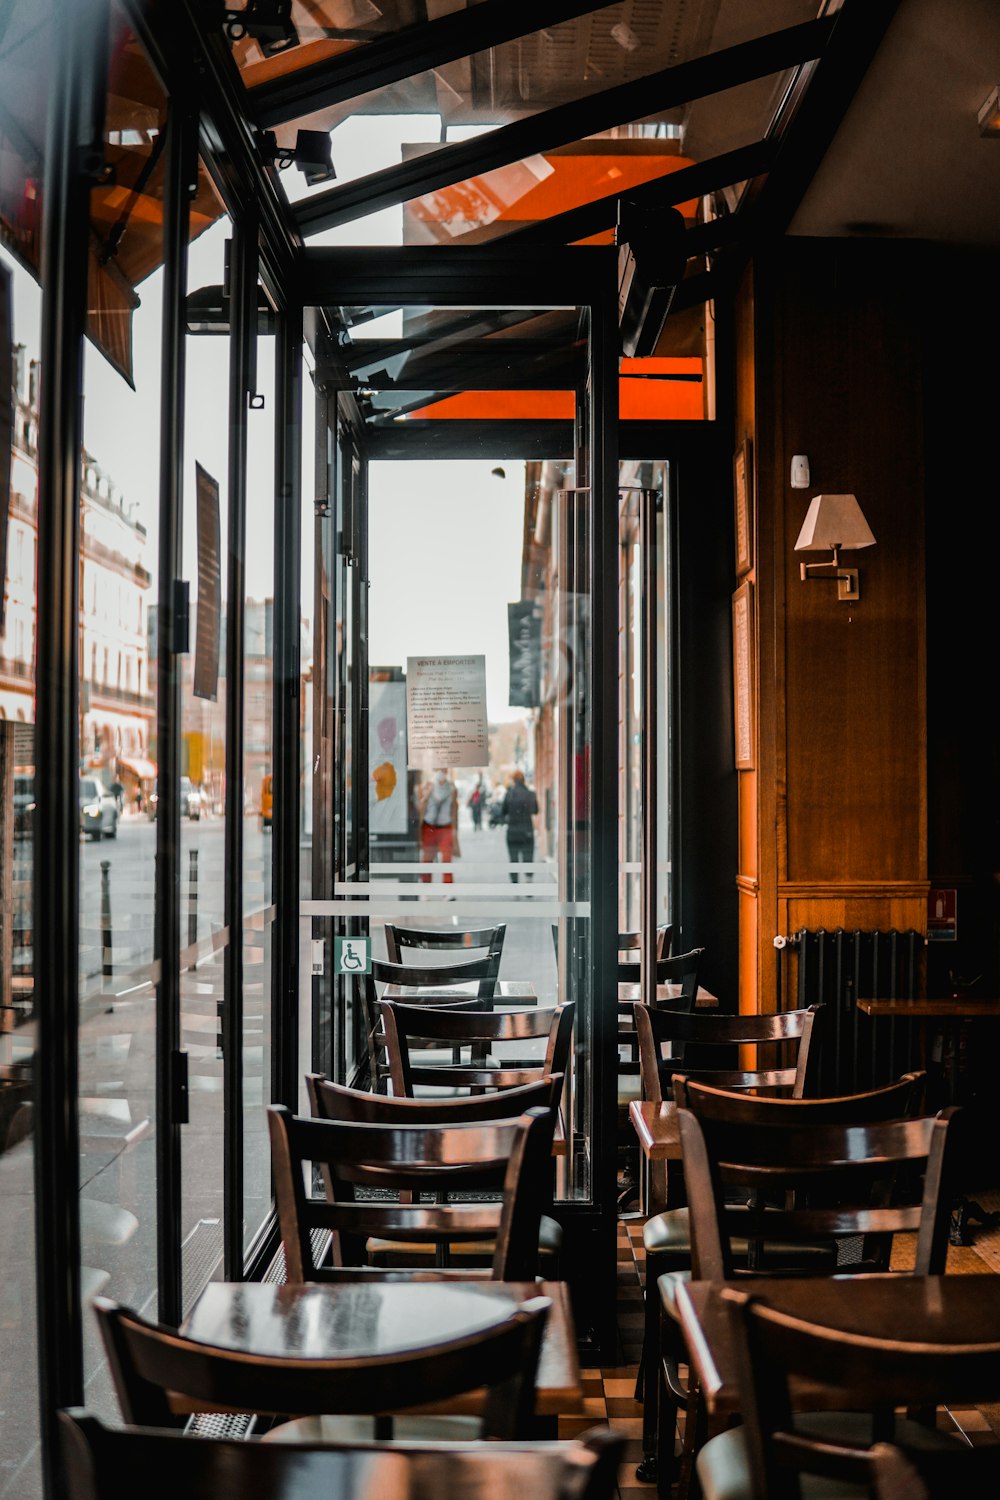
column 445, row 543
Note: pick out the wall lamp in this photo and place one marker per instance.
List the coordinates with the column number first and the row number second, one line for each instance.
column 312, row 154
column 835, row 522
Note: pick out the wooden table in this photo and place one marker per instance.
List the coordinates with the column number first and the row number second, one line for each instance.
column 506, row 991
column 951, row 1009
column 931, row 1309
column 378, row 1316
column 704, row 999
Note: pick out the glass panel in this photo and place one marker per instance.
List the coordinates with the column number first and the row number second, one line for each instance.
column 258, row 913
column 20, row 1474
column 118, row 546
column 203, row 780
column 575, row 59
column 323, row 30
column 466, row 561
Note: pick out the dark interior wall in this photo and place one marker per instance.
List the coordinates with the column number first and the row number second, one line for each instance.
column 960, row 314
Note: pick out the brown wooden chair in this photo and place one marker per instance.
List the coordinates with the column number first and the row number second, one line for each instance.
column 663, row 1035
column 408, row 1028
column 332, row 1101
column 363, row 1164
column 761, row 1186
column 682, row 969
column 914, row 1474
column 860, row 1380
column 107, row 1463
column 482, row 972
column 444, row 939
column 156, row 1370
column 630, row 945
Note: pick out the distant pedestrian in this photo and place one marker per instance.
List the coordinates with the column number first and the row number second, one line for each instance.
column 519, row 808
column 476, row 801
column 437, row 803
column 118, row 792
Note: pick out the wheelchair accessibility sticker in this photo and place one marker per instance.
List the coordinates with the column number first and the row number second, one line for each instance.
column 352, row 955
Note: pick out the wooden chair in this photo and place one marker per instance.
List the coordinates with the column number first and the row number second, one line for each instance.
column 630, row 945
column 332, row 1101
column 682, row 969
column 512, row 1157
column 479, row 971
column 915, row 1474
column 106, row 1463
column 156, row 1369
column 663, row 1035
column 761, row 1186
column 407, row 1028
column 860, row 1380
column 432, row 939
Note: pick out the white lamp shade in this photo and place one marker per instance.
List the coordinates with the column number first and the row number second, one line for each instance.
column 834, row 521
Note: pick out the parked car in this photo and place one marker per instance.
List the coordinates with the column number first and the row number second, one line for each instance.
column 98, row 809
column 190, row 798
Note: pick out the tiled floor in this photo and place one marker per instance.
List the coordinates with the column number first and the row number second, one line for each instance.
column 609, row 1391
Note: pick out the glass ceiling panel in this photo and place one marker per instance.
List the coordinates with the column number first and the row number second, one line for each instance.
column 325, row 29
column 576, row 59
column 500, row 364
column 552, row 182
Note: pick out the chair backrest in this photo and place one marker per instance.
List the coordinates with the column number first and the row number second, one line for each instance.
column 630, row 944
column 928, row 1474
column 892, row 1101
column 109, row 1463
column 407, row 1026
column 777, row 1354
column 333, row 1101
column 756, row 1178
column 152, row 1364
column 398, row 939
column 482, row 972
column 509, row 1157
column 678, row 1029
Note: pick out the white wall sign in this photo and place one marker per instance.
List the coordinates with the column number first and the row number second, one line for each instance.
column 446, row 711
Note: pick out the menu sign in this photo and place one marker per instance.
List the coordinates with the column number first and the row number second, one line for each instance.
column 446, row 711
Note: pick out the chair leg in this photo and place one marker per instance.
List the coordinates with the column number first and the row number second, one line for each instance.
column 648, row 1376
column 695, row 1435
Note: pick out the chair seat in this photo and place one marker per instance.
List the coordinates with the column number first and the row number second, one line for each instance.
column 668, row 1236
column 388, row 1252
column 724, row 1467
column 405, row 1429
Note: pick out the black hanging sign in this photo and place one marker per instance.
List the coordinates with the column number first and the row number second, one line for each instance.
column 6, row 424
column 209, row 616
column 524, row 632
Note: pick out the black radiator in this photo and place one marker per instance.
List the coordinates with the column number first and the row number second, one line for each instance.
column 835, row 969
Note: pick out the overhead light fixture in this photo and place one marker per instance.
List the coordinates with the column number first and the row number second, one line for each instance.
column 269, row 22
column 835, row 522
column 312, row 154
column 989, row 114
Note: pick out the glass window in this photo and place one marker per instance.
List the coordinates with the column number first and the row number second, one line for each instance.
column 258, row 745
column 119, row 507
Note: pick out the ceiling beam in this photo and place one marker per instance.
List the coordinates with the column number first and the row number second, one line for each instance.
column 565, row 123
column 667, row 190
column 402, row 54
column 809, row 117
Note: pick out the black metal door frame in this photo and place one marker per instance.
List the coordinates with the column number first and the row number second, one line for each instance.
column 585, row 278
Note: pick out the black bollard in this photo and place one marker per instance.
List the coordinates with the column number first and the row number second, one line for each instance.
column 192, row 897
column 106, row 945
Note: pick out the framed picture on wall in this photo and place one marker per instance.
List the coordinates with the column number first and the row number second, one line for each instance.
column 743, row 676
column 743, row 491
